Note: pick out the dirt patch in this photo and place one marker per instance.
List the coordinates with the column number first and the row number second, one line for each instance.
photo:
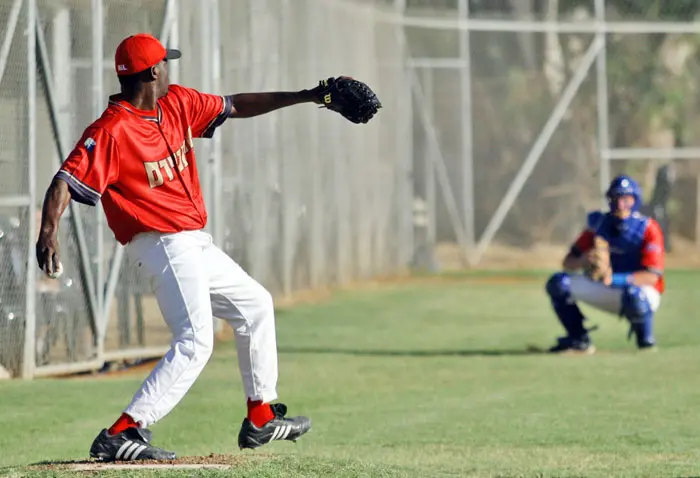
column 499, row 256
column 143, row 366
column 114, row 370
column 684, row 254
column 503, row 280
column 212, row 461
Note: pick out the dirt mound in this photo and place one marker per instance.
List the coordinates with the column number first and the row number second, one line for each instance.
column 212, row 461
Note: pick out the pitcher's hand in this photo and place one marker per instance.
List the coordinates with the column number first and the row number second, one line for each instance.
column 47, row 254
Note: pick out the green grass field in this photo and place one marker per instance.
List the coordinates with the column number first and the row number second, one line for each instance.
column 421, row 379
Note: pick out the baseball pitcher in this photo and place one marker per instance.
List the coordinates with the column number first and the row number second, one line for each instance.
column 620, row 256
column 138, row 159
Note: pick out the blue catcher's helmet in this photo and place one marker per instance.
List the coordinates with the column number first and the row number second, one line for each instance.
column 624, row 185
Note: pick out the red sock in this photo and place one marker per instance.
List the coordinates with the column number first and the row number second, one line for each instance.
column 259, row 413
column 125, row 422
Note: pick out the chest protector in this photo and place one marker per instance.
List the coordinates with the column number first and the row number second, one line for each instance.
column 625, row 237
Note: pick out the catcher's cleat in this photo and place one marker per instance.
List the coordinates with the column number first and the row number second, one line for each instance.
column 581, row 345
column 647, row 347
column 129, row 445
column 279, row 428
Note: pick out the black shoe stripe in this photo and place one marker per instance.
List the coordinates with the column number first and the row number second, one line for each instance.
column 129, row 450
column 281, row 432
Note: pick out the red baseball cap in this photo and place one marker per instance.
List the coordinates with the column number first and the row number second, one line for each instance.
column 140, row 52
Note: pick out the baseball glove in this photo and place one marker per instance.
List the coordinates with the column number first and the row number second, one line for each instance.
column 350, row 98
column 597, row 266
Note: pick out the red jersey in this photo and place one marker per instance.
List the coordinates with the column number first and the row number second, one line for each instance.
column 639, row 247
column 142, row 164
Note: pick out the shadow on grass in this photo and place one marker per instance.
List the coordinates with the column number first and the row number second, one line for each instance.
column 529, row 350
column 63, row 462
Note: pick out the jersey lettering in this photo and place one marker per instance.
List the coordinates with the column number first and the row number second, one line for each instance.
column 156, row 169
column 155, row 178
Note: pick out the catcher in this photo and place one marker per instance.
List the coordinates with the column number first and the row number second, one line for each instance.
column 620, row 256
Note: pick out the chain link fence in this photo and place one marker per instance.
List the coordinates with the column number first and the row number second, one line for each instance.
column 557, row 97
column 301, row 198
column 502, row 122
column 14, row 203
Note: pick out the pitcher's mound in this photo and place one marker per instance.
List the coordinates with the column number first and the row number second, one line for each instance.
column 212, row 461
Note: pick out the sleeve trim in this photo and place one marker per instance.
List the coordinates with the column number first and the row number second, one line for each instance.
column 226, row 110
column 80, row 191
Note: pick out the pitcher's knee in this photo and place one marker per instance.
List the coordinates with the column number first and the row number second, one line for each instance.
column 264, row 305
column 559, row 286
column 196, row 344
column 635, row 303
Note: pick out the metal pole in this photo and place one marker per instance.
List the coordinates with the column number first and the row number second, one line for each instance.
column 97, row 107
column 111, row 287
column 174, row 39
column 16, row 201
column 217, row 146
column 318, row 264
column 289, row 198
column 430, row 161
column 63, row 71
column 513, row 26
column 467, row 131
column 205, row 78
column 405, row 146
column 652, row 153
column 170, row 35
column 446, row 63
column 538, row 148
column 602, row 97
column 260, row 240
column 12, row 20
column 340, row 195
column 168, row 19
column 29, row 355
column 75, row 213
column 405, row 140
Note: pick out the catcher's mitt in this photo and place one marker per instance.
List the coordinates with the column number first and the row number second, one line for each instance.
column 348, row 97
column 597, row 266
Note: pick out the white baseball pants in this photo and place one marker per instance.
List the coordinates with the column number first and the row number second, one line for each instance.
column 606, row 298
column 194, row 282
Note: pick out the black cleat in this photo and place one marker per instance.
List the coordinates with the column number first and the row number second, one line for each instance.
column 581, row 345
column 129, row 445
column 279, row 428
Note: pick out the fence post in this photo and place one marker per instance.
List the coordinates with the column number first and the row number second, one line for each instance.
column 97, row 107
column 602, row 97
column 467, row 131
column 29, row 355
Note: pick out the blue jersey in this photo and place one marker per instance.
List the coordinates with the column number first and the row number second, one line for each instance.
column 636, row 243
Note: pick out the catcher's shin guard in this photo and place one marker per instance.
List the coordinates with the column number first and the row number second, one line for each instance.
column 559, row 290
column 637, row 309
